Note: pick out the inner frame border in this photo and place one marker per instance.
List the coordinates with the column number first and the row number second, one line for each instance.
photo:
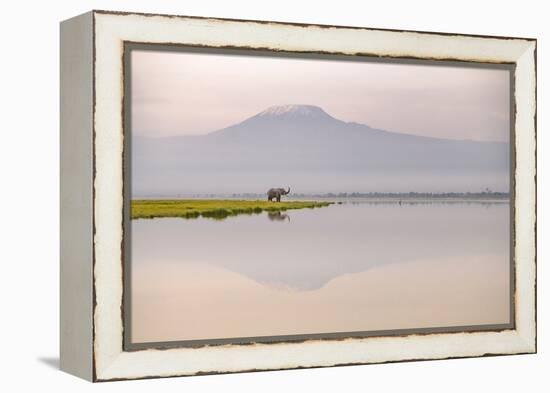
column 129, row 46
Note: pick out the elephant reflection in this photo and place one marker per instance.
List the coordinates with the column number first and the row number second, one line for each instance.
column 278, row 216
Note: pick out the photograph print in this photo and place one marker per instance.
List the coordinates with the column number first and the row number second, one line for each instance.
column 274, row 197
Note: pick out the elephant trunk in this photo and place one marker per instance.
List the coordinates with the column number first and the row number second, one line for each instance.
column 287, row 192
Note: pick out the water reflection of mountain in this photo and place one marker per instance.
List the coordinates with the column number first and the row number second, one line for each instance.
column 319, row 245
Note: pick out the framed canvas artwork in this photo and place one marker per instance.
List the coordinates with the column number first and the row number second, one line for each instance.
column 246, row 195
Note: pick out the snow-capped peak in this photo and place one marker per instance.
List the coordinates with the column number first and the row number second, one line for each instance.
column 294, row 110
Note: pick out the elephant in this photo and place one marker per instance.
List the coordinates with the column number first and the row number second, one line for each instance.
column 278, row 216
column 275, row 193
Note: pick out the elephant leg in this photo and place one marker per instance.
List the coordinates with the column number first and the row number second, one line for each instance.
column 278, row 198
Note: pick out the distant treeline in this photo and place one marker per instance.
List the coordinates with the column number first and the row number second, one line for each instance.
column 342, row 195
column 400, row 195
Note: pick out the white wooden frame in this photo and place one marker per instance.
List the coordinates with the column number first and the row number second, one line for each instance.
column 92, row 194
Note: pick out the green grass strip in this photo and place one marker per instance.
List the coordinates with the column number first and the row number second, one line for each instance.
column 218, row 209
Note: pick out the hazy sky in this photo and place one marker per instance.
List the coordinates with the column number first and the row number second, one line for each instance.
column 188, row 93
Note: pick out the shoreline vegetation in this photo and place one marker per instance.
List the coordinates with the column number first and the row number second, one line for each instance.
column 218, row 209
column 484, row 195
column 474, row 196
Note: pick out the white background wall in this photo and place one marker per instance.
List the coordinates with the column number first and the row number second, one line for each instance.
column 29, row 194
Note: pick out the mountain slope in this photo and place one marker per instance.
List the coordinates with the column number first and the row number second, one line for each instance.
column 303, row 144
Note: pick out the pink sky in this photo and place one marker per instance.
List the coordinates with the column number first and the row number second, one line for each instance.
column 178, row 93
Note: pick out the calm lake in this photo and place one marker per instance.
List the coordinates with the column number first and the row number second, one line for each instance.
column 347, row 267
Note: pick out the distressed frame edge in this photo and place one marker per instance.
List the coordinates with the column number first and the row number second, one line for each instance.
column 525, row 189
column 305, row 24
column 527, row 341
column 76, row 196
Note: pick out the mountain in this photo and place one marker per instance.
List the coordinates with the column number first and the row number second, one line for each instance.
column 304, row 147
